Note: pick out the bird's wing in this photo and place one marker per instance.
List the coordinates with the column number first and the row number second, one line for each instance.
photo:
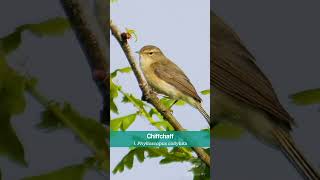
column 172, row 74
column 233, row 70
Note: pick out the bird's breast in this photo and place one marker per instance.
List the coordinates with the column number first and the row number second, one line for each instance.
column 161, row 86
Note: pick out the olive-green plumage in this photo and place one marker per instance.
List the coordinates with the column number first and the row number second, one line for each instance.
column 167, row 78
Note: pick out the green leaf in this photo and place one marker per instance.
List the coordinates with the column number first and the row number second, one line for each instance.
column 128, row 121
column 89, row 130
column 113, row 107
column 156, row 152
column 169, row 102
column 180, row 103
column 205, row 92
column 128, row 162
column 140, row 156
column 165, row 124
column 12, row 85
column 129, row 98
column 171, row 159
column 307, row 97
column 113, row 90
column 115, row 124
column 132, row 33
column 177, row 154
column 52, row 27
column 200, row 170
column 122, row 70
column 122, row 123
column 227, row 131
column 128, row 159
column 49, row 120
column 74, row 172
column 153, row 111
column 113, row 95
column 10, row 145
column 12, row 102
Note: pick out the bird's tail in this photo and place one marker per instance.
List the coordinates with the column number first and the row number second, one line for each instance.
column 204, row 113
column 295, row 156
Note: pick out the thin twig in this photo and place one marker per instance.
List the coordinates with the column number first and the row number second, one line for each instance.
column 146, row 91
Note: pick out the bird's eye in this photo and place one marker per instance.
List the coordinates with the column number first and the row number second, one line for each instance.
column 150, row 53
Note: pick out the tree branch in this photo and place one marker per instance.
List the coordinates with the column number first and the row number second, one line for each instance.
column 94, row 45
column 146, row 90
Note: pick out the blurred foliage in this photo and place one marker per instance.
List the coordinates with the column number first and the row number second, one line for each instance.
column 226, row 130
column 55, row 116
column 88, row 130
column 74, row 172
column 12, row 102
column 307, row 97
column 52, row 27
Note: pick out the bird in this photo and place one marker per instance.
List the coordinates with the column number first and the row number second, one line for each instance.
column 243, row 95
column 165, row 77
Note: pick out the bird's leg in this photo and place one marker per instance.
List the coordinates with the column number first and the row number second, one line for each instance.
column 173, row 104
column 169, row 109
column 144, row 97
column 149, row 92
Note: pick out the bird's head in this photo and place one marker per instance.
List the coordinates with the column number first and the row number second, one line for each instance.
column 150, row 52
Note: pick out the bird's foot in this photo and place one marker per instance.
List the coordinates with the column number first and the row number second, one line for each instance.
column 168, row 110
column 146, row 96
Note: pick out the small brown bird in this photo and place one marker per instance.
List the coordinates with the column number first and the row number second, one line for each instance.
column 244, row 96
column 167, row 78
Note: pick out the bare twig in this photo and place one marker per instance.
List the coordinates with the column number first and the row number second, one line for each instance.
column 146, row 90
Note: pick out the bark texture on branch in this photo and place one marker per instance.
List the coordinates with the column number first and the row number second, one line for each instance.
column 147, row 92
column 94, row 45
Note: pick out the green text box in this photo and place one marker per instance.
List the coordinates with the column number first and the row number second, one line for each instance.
column 159, row 139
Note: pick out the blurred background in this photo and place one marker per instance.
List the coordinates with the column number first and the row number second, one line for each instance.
column 63, row 74
column 284, row 38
